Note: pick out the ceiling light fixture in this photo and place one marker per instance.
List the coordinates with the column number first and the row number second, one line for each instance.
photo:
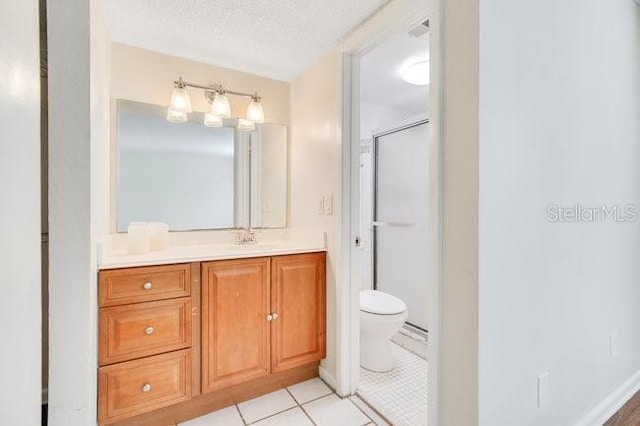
column 180, row 105
column 416, row 72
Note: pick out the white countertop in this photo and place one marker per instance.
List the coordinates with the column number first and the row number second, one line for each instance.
column 119, row 258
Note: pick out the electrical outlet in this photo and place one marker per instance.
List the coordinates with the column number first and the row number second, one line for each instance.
column 543, row 390
column 613, row 346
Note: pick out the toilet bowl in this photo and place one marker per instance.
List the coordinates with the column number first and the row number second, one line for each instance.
column 381, row 316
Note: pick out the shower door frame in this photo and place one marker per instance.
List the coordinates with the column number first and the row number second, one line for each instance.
column 409, row 123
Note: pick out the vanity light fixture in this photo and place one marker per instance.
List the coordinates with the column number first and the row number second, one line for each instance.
column 416, row 72
column 220, row 105
column 255, row 112
column 180, row 104
column 216, row 95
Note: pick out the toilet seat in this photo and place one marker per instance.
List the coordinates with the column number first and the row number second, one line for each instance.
column 380, row 303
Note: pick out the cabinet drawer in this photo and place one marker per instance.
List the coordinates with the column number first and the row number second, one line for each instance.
column 143, row 385
column 144, row 284
column 133, row 331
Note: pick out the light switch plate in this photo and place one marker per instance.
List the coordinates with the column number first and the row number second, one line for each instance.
column 320, row 208
column 328, row 204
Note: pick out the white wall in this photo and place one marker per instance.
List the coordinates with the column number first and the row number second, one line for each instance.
column 315, row 161
column 373, row 116
column 20, row 214
column 78, row 159
column 560, row 123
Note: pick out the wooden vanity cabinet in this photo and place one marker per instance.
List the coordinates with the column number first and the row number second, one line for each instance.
column 261, row 316
column 179, row 341
column 235, row 331
column 145, row 337
column 298, row 299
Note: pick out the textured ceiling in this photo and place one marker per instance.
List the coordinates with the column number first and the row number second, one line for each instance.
column 381, row 81
column 273, row 38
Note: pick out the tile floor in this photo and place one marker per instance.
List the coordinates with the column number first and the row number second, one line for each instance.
column 401, row 394
column 304, row 404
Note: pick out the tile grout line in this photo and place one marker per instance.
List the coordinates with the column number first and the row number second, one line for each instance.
column 302, row 408
column 272, row 415
column 240, row 414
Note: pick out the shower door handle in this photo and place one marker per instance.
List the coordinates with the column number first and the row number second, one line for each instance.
column 395, row 224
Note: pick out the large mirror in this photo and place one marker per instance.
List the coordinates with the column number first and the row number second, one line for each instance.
column 195, row 177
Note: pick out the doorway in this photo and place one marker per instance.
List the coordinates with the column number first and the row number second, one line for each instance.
column 372, row 241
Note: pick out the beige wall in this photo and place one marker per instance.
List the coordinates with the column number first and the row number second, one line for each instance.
column 459, row 297
column 146, row 76
column 316, row 170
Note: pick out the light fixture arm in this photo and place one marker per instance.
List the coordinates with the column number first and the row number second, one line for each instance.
column 216, row 88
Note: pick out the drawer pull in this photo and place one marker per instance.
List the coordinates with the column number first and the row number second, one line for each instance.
column 147, row 285
column 275, row 316
column 146, row 387
column 269, row 317
column 148, row 331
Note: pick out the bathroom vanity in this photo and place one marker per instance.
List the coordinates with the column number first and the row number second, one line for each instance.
column 205, row 323
column 179, row 340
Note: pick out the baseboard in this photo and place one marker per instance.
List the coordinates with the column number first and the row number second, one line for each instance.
column 45, row 396
column 328, row 378
column 611, row 404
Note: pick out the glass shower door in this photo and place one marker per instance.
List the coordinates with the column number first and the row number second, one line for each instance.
column 400, row 217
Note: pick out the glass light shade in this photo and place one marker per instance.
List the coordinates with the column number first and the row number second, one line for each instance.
column 211, row 120
column 246, row 125
column 180, row 100
column 220, row 106
column 417, row 73
column 176, row 116
column 255, row 112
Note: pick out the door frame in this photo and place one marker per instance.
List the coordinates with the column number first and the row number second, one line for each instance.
column 398, row 16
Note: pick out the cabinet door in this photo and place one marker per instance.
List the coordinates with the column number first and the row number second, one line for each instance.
column 298, row 299
column 235, row 329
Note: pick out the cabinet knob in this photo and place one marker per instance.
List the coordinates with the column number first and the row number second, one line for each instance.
column 146, row 387
column 147, row 285
column 275, row 316
column 269, row 317
column 148, row 330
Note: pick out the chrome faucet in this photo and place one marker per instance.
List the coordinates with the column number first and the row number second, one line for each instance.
column 247, row 236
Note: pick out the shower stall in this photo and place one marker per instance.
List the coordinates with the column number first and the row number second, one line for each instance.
column 400, row 216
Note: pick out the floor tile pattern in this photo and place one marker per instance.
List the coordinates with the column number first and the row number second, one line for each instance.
column 309, row 403
column 400, row 395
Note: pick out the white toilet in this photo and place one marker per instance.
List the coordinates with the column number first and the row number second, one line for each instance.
column 381, row 316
